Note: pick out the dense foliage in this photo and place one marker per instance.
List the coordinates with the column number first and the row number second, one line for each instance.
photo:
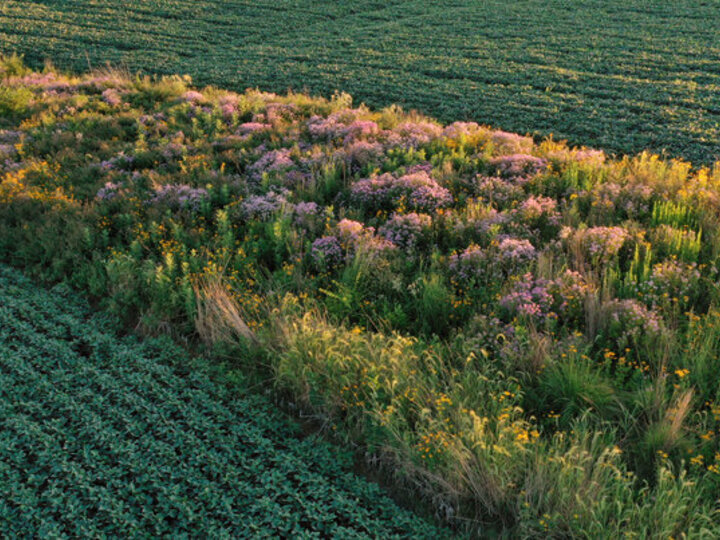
column 624, row 75
column 527, row 334
column 104, row 436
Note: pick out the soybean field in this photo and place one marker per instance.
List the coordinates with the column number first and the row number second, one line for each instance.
column 623, row 75
column 101, row 436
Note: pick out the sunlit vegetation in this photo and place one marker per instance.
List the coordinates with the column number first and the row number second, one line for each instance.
column 622, row 75
column 528, row 334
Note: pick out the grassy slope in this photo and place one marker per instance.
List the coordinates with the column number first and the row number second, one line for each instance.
column 617, row 74
column 107, row 436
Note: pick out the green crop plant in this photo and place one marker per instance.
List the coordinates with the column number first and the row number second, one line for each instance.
column 615, row 74
column 110, row 436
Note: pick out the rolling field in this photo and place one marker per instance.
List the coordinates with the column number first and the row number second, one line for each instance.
column 114, row 437
column 526, row 334
column 623, row 75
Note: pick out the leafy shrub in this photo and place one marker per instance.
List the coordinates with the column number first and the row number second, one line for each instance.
column 14, row 101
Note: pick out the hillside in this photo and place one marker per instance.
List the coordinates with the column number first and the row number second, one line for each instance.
column 622, row 75
column 525, row 334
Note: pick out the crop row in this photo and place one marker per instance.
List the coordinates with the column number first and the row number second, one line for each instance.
column 107, row 436
column 617, row 75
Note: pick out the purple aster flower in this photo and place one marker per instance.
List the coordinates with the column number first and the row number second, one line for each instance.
column 510, row 143
column 414, row 134
column 111, row 97
column 272, row 161
column 262, row 207
column 530, row 298
column 108, row 192
column 417, row 191
column 192, row 96
column 518, row 165
column 406, row 230
column 458, row 130
column 326, row 253
column 180, row 197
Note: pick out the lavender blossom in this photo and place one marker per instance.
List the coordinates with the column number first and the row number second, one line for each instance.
column 262, row 207
column 192, row 96
column 108, row 192
column 326, row 253
column 603, row 243
column 417, row 191
column 111, row 97
column 414, row 134
column 459, row 130
column 307, row 215
column 359, row 153
column 529, row 298
column 468, row 266
column 630, row 323
column 180, row 197
column 502, row 193
column 349, row 232
column 252, row 127
column 518, row 165
column 406, row 231
column 119, row 162
column 671, row 280
column 511, row 143
column 515, row 252
column 272, row 161
column 337, row 125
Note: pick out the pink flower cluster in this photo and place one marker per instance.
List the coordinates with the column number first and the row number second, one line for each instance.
column 343, row 124
column 180, row 196
column 109, row 191
column 248, row 128
column 671, row 279
column 539, row 299
column 459, row 130
column 529, row 298
column 515, row 252
column 510, row 143
column 518, row 165
column 607, row 201
column 406, row 230
column 276, row 113
column 603, row 243
column 569, row 291
column 535, row 209
column 359, row 153
column 468, row 266
column 326, row 253
column 271, row 161
column 498, row 191
column 501, row 259
column 349, row 231
column 414, row 134
column 121, row 161
column 417, row 191
column 173, row 151
column 262, row 207
column 111, row 97
column 630, row 321
column 309, row 217
column 192, row 96
column 349, row 237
